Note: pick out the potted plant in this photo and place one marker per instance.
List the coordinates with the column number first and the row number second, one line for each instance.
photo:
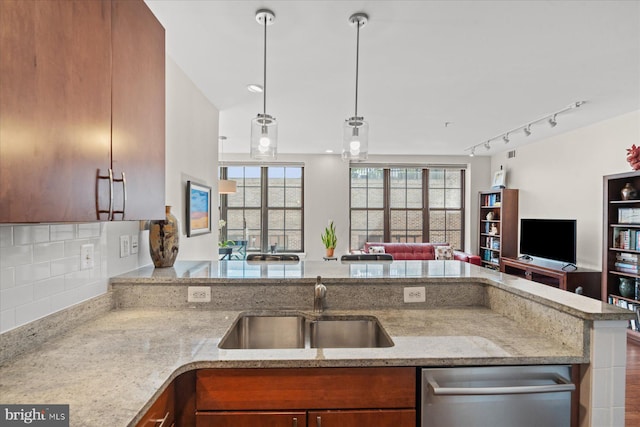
column 329, row 239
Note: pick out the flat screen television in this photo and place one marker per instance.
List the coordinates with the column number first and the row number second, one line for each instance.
column 553, row 239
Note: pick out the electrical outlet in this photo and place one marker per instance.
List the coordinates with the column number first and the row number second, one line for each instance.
column 125, row 249
column 86, row 257
column 198, row 294
column 415, row 294
column 134, row 244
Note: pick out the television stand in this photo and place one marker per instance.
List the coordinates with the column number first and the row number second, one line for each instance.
column 552, row 274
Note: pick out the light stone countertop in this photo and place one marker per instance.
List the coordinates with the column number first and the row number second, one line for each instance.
column 111, row 367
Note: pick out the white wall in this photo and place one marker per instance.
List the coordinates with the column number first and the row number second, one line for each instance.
column 191, row 155
column 561, row 177
column 327, row 193
column 40, row 263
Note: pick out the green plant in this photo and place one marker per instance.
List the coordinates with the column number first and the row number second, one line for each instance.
column 225, row 243
column 329, row 237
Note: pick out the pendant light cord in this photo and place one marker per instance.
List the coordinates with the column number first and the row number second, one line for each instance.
column 264, row 89
column 357, row 57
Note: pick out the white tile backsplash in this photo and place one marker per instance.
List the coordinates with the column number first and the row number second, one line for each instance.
column 40, row 267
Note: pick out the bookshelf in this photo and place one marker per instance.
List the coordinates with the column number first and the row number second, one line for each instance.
column 498, row 226
column 621, row 251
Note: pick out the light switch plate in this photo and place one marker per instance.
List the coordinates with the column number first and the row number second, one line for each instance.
column 125, row 250
column 86, row 257
column 134, row 244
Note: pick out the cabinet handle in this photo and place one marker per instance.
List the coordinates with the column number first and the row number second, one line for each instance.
column 109, row 212
column 318, row 421
column 123, row 180
column 295, row 422
column 160, row 420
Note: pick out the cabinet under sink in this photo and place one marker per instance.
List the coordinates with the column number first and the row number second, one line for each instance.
column 297, row 330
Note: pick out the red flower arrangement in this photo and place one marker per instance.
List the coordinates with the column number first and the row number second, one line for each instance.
column 633, row 157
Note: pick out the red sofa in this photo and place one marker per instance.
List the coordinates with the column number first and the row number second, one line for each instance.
column 420, row 251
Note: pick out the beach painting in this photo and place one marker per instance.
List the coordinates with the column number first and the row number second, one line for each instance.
column 198, row 209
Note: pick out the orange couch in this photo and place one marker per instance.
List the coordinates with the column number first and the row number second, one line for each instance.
column 420, row 251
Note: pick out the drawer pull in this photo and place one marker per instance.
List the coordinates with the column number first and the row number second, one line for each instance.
column 109, row 211
column 318, row 421
column 295, row 422
column 160, row 420
column 123, row 180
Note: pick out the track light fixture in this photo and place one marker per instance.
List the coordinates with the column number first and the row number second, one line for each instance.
column 552, row 119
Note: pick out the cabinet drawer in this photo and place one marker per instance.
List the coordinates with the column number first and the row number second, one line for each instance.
column 251, row 419
column 162, row 409
column 305, row 388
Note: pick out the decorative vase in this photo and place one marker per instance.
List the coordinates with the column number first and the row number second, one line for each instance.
column 330, row 252
column 626, row 287
column 628, row 192
column 164, row 240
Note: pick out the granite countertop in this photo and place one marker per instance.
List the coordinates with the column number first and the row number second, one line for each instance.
column 111, row 367
column 108, row 370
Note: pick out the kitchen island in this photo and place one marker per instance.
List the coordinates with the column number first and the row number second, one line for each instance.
column 144, row 333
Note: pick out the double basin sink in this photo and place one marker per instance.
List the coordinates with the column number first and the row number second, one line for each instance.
column 296, row 330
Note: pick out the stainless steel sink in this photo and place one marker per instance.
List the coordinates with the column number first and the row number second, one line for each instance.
column 348, row 333
column 277, row 330
column 265, row 331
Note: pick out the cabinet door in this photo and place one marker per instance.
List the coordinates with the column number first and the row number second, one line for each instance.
column 138, row 114
column 251, row 419
column 377, row 418
column 55, row 108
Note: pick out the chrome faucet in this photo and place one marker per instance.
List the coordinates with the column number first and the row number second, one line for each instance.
column 319, row 296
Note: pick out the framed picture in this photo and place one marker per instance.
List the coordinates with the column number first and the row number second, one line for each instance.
column 499, row 179
column 198, row 209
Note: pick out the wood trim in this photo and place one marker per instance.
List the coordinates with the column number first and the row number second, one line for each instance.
column 305, row 388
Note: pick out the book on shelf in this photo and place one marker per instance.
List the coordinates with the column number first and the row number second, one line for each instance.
column 624, row 238
column 629, row 216
column 634, row 324
column 491, row 200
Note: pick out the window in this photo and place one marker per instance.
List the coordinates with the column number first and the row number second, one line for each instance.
column 407, row 204
column 267, row 208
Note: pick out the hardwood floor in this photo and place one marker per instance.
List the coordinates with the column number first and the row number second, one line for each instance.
column 632, row 392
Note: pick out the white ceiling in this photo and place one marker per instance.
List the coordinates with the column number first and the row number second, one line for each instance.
column 484, row 66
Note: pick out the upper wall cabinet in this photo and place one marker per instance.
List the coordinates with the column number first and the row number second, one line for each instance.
column 60, row 131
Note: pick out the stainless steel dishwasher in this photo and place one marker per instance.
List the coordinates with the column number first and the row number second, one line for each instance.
column 505, row 396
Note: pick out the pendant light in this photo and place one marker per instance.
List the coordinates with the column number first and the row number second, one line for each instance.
column 264, row 128
column 355, row 145
column 225, row 186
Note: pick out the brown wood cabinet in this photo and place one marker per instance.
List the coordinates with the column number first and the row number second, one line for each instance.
column 549, row 274
column 337, row 396
column 621, row 245
column 498, row 226
column 62, row 62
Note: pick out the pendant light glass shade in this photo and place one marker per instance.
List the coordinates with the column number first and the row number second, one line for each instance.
column 355, row 140
column 264, row 137
column 264, row 128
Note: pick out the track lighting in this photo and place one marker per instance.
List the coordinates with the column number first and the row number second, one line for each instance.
column 552, row 119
